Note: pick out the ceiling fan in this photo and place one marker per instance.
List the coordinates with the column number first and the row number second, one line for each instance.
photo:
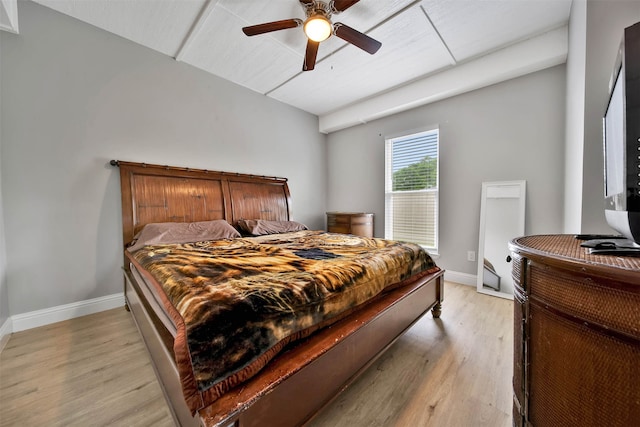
column 318, row 27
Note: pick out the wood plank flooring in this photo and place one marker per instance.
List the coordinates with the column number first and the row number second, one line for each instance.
column 94, row 371
column 89, row 371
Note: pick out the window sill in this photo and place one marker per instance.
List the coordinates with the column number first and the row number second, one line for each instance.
column 434, row 255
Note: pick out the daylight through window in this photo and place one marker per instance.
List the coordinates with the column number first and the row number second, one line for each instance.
column 411, row 189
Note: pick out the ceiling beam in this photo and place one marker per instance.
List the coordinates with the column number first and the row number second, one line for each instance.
column 9, row 16
column 534, row 54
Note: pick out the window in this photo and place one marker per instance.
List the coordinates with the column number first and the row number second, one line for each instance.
column 411, row 189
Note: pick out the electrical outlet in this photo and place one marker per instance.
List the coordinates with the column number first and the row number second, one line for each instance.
column 471, row 255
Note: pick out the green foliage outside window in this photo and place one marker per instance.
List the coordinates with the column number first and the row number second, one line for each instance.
column 417, row 176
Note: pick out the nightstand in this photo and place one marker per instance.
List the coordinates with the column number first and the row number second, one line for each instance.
column 358, row 223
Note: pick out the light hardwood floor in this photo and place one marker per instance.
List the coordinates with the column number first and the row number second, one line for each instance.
column 94, row 371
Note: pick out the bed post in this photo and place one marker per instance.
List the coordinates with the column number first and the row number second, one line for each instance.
column 116, row 164
column 437, row 309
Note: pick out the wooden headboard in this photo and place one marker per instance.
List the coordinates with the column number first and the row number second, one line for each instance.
column 155, row 193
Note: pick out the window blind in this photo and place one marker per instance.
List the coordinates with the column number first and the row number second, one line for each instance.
column 411, row 189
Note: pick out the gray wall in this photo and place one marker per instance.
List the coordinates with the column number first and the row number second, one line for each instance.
column 74, row 97
column 574, row 128
column 509, row 131
column 4, row 294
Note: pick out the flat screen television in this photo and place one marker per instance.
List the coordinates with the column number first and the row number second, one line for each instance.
column 621, row 134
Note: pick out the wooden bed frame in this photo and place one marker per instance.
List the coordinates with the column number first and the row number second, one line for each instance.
column 306, row 376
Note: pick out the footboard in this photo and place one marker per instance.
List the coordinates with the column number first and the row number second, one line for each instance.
column 329, row 360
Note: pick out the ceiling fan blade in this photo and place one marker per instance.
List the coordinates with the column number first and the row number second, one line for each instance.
column 268, row 27
column 310, row 55
column 342, row 5
column 357, row 38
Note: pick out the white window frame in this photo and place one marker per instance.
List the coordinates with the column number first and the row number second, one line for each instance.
column 389, row 193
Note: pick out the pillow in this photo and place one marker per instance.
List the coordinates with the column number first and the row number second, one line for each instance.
column 258, row 227
column 183, row 232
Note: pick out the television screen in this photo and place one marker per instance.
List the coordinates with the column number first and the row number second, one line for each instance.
column 621, row 134
column 614, row 141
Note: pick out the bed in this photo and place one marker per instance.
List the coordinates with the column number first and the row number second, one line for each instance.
column 311, row 365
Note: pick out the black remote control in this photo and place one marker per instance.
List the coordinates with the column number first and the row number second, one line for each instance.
column 597, row 236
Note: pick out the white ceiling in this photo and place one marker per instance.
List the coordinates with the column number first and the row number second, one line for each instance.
column 420, row 39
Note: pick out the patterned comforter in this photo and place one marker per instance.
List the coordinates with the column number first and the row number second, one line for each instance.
column 238, row 302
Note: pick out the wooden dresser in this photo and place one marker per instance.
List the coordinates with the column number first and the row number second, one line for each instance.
column 576, row 335
column 358, row 223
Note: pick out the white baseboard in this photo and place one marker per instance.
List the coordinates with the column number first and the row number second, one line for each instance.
column 34, row 319
column 462, row 278
column 5, row 333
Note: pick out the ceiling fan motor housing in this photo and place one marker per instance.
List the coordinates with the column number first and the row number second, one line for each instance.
column 321, row 8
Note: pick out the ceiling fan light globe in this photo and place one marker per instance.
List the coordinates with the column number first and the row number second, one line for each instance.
column 317, row 28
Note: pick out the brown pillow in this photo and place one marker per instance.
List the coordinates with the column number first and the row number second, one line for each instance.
column 258, row 227
column 183, row 232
